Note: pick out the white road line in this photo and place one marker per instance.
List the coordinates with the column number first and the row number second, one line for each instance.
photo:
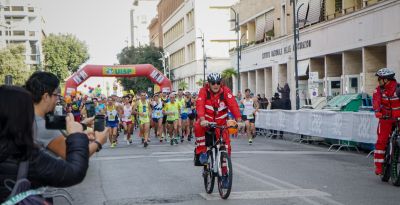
column 285, row 193
column 289, row 185
column 175, row 160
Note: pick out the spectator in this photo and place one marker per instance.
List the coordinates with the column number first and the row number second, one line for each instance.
column 285, row 92
column 277, row 103
column 43, row 87
column 264, row 102
column 17, row 144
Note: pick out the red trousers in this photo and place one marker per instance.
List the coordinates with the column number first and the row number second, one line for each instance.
column 384, row 130
column 200, row 132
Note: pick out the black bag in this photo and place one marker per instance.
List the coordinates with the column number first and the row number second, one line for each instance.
column 21, row 193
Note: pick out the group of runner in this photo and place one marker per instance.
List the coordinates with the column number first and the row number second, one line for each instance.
column 170, row 115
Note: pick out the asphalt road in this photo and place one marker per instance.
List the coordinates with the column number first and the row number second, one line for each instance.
column 270, row 171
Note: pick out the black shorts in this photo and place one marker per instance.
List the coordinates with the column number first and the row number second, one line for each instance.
column 171, row 122
column 155, row 120
column 192, row 116
column 164, row 120
column 244, row 118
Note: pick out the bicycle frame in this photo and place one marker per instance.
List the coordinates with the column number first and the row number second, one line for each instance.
column 217, row 148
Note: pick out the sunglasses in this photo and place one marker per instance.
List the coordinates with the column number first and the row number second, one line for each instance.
column 213, row 83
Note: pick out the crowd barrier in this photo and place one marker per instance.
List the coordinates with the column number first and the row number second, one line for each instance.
column 349, row 126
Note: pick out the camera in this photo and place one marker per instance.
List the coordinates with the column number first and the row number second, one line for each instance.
column 99, row 123
column 55, row 122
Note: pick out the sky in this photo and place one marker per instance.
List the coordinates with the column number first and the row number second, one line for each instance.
column 102, row 24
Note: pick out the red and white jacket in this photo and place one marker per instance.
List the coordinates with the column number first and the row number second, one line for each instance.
column 386, row 100
column 215, row 107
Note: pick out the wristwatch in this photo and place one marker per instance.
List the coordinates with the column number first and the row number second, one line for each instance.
column 99, row 147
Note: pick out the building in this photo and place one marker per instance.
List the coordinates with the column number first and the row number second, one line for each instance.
column 140, row 16
column 196, row 35
column 342, row 43
column 154, row 32
column 22, row 23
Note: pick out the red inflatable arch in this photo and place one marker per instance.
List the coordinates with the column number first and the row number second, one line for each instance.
column 146, row 70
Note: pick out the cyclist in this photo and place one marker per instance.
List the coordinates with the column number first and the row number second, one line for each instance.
column 212, row 105
column 250, row 107
column 386, row 104
column 157, row 116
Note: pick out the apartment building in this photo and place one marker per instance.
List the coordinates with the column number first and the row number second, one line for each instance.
column 141, row 14
column 342, row 43
column 187, row 25
column 22, row 23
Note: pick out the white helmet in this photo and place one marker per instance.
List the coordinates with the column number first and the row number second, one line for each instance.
column 385, row 73
column 214, row 77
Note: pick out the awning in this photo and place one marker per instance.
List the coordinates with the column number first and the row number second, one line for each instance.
column 302, row 67
column 314, row 13
column 260, row 27
column 302, row 15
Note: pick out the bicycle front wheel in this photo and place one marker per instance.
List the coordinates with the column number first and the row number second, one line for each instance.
column 386, row 167
column 225, row 178
column 395, row 165
column 208, row 174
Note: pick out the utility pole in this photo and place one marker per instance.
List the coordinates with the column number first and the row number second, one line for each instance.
column 238, row 46
column 204, row 58
column 295, row 38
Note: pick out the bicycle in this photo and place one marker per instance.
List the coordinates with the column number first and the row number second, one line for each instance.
column 391, row 163
column 216, row 149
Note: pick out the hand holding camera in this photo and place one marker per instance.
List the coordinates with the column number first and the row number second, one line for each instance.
column 71, row 125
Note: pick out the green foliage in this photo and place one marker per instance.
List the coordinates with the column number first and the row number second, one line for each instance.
column 183, row 85
column 63, row 54
column 139, row 55
column 12, row 62
column 200, row 82
column 227, row 76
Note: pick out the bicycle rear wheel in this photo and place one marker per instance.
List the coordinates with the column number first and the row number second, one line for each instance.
column 224, row 188
column 208, row 175
column 395, row 165
column 386, row 167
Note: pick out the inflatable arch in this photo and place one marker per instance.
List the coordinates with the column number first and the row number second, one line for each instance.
column 146, row 70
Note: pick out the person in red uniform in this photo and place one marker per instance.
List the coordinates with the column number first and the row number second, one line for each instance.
column 212, row 105
column 386, row 104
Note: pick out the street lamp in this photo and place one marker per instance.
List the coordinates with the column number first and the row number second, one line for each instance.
column 295, row 38
column 164, row 56
column 238, row 46
column 204, row 57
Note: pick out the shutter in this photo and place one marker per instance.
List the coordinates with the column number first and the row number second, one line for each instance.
column 260, row 27
column 302, row 14
column 269, row 21
column 314, row 12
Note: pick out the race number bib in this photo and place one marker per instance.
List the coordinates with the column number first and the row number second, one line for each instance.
column 251, row 116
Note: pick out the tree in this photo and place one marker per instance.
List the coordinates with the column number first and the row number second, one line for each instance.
column 139, row 55
column 183, row 85
column 227, row 76
column 200, row 82
column 63, row 54
column 12, row 62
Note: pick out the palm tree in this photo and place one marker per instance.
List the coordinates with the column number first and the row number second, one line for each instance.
column 200, row 82
column 227, row 76
column 183, row 85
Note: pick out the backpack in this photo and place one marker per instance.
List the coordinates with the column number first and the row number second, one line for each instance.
column 21, row 193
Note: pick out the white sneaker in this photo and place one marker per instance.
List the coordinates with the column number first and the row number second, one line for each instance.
column 127, row 142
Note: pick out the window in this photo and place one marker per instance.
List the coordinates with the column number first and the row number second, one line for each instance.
column 1, row 33
column 31, row 33
column 31, row 9
column 174, row 32
column 191, row 48
column 178, row 58
column 338, row 5
column 190, row 19
column 7, row 8
column 17, row 8
column 18, row 33
column 283, row 20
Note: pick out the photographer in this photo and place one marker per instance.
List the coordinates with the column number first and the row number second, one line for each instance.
column 44, row 87
column 17, row 145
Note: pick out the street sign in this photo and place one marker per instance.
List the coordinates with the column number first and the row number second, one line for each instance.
column 8, row 80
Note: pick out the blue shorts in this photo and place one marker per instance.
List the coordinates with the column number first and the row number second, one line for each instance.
column 184, row 116
column 112, row 124
column 230, row 115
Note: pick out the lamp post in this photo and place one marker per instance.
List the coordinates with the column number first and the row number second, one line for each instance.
column 238, row 46
column 295, row 38
column 204, row 58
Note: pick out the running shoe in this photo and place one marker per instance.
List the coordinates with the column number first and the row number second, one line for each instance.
column 176, row 141
column 142, row 140
column 145, row 144
column 250, row 141
column 182, row 139
column 113, row 145
column 172, row 142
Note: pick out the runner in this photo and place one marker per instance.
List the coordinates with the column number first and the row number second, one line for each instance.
column 144, row 112
column 192, row 115
column 181, row 101
column 157, row 116
column 186, row 109
column 250, row 109
column 165, row 100
column 127, row 120
column 112, row 121
column 172, row 110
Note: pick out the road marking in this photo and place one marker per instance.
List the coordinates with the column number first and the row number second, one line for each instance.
column 251, row 172
column 175, row 160
column 284, row 193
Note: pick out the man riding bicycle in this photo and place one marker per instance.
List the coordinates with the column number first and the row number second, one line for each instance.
column 386, row 104
column 212, row 105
